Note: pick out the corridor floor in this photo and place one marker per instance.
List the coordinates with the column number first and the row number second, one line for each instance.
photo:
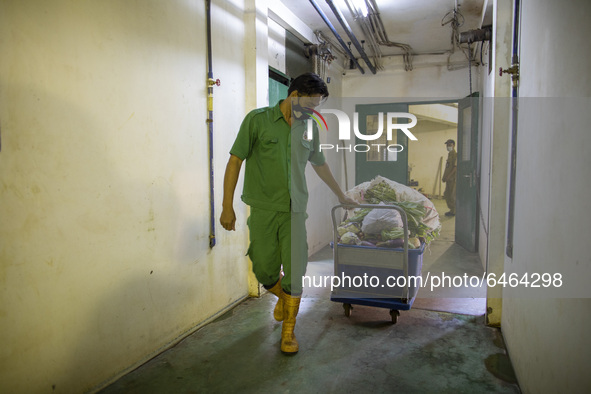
column 429, row 349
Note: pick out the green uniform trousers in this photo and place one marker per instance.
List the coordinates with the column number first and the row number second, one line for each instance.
column 450, row 195
column 278, row 239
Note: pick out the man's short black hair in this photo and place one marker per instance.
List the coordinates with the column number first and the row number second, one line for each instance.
column 308, row 84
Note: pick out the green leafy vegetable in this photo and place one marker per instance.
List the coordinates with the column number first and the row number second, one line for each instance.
column 395, row 233
column 359, row 215
column 381, row 192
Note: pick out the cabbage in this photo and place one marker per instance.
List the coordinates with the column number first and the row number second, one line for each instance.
column 350, row 239
column 348, row 227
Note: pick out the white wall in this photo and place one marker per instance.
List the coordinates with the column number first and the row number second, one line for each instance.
column 276, row 46
column 548, row 338
column 427, row 156
column 495, row 154
column 104, row 250
column 429, row 79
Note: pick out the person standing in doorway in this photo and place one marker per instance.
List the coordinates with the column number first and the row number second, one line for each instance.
column 449, row 177
column 276, row 145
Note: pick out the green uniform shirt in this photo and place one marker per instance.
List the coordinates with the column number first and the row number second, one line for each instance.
column 276, row 156
column 450, row 164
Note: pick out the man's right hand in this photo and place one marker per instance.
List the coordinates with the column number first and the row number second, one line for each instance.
column 228, row 219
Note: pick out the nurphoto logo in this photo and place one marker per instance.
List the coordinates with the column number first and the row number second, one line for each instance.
column 344, row 124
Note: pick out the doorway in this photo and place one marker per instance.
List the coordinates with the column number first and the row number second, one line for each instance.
column 420, row 166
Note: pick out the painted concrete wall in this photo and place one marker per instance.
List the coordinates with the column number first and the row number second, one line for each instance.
column 276, row 46
column 495, row 155
column 429, row 79
column 104, row 192
column 427, row 156
column 548, row 338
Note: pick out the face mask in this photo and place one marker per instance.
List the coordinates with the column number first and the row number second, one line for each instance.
column 450, row 148
column 299, row 112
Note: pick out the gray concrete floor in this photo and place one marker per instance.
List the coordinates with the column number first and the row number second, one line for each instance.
column 440, row 345
column 445, row 257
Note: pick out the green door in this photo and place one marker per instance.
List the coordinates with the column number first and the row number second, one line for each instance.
column 381, row 156
column 467, row 175
column 278, row 86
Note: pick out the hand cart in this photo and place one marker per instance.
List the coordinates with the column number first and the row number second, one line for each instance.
column 376, row 276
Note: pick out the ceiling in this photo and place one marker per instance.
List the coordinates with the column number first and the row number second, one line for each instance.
column 417, row 23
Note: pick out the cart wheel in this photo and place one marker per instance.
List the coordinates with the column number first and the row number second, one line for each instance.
column 394, row 313
column 347, row 308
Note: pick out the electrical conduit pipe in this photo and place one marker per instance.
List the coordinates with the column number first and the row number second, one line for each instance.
column 210, row 83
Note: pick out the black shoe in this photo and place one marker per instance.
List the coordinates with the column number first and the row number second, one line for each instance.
column 450, row 213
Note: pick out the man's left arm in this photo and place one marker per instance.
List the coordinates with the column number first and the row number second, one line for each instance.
column 325, row 174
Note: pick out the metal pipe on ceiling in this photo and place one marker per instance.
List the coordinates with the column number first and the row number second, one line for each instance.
column 376, row 24
column 371, row 38
column 349, row 32
column 338, row 37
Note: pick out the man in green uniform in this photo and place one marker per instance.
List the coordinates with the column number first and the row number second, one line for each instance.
column 449, row 177
column 276, row 146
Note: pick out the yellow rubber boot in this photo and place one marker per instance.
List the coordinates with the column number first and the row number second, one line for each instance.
column 289, row 343
column 278, row 311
